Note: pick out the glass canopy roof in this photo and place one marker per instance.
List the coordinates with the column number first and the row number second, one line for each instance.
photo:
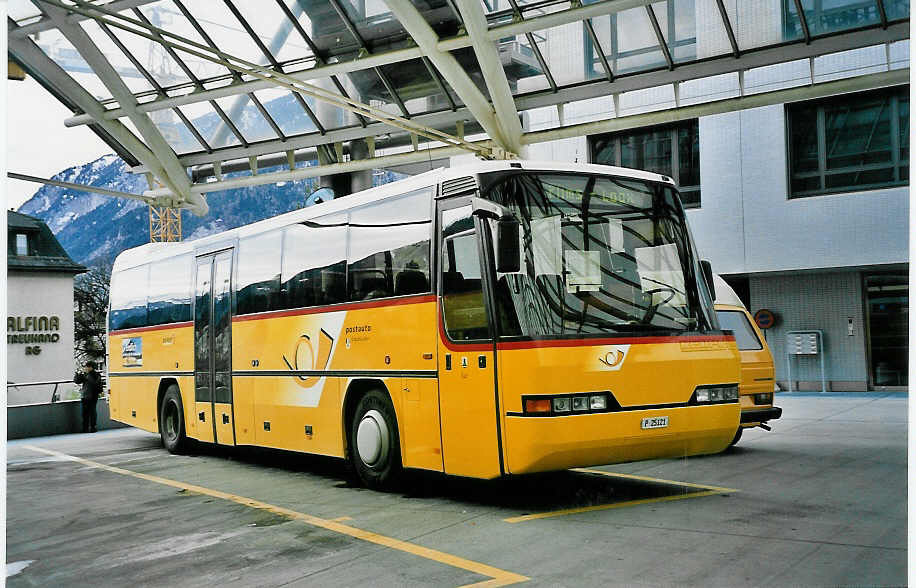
column 552, row 52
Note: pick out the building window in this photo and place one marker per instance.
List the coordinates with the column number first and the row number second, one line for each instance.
column 629, row 41
column 830, row 16
column 22, row 244
column 673, row 151
column 849, row 143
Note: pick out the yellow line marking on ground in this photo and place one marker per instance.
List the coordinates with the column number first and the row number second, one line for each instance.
column 705, row 490
column 657, row 480
column 569, row 511
column 341, row 519
column 498, row 577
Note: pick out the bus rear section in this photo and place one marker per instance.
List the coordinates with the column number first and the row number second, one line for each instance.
column 757, row 368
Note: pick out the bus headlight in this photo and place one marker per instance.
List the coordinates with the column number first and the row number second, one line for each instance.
column 714, row 394
column 766, row 398
column 561, row 404
column 580, row 403
column 597, row 402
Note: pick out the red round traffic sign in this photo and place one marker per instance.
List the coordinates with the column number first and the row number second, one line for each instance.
column 765, row 318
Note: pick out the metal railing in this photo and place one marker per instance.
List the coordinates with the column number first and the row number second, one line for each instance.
column 55, row 397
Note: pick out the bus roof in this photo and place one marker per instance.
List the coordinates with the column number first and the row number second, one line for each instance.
column 156, row 251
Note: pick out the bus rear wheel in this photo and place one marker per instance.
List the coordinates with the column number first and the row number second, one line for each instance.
column 171, row 421
column 375, row 448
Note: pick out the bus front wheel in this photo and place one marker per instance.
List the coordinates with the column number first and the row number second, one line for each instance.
column 737, row 437
column 171, row 421
column 375, row 449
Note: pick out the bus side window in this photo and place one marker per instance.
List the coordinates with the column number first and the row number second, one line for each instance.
column 259, row 273
column 128, row 298
column 170, row 290
column 314, row 263
column 390, row 247
column 464, row 310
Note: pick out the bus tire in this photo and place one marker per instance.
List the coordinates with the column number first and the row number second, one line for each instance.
column 171, row 421
column 737, row 437
column 375, row 448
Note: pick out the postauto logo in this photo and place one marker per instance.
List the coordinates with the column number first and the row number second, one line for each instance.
column 614, row 356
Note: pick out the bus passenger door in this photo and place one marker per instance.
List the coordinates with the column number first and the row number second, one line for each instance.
column 213, row 349
column 467, row 383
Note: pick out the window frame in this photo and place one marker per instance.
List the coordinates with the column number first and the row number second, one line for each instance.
column 23, row 240
column 672, row 130
column 822, row 173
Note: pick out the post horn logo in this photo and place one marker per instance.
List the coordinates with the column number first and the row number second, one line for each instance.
column 614, row 357
column 310, row 356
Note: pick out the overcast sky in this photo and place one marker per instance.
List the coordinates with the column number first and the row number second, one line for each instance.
column 37, row 142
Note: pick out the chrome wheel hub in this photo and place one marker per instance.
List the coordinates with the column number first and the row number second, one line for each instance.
column 372, row 438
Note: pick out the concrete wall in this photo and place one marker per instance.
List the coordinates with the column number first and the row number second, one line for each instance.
column 59, row 418
column 39, row 294
column 823, row 301
column 748, row 224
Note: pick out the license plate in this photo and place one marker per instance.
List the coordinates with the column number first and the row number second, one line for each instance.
column 655, row 423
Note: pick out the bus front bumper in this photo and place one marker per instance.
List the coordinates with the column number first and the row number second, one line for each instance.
column 537, row 444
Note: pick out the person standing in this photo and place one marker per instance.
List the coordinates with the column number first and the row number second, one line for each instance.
column 90, row 392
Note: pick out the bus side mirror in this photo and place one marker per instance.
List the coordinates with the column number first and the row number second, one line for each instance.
column 507, row 252
column 707, row 274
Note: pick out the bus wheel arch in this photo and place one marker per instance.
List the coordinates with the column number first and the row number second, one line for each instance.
column 172, row 426
column 372, row 435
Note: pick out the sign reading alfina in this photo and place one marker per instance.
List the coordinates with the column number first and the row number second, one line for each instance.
column 31, row 330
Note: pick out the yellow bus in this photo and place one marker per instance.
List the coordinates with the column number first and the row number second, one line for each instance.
column 501, row 318
column 757, row 369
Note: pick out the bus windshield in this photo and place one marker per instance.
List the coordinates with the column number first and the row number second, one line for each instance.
column 599, row 254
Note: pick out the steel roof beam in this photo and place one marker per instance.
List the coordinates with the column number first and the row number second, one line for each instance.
column 684, row 72
column 380, row 161
column 808, row 92
column 882, row 12
column 800, row 11
column 364, row 48
column 494, row 75
column 378, row 59
column 208, row 53
column 534, row 47
column 279, row 38
column 658, row 35
column 25, row 50
column 729, row 30
column 424, row 35
column 46, row 24
column 154, row 83
column 175, row 176
column 316, row 54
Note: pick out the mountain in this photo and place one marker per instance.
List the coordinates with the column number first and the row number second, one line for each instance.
column 94, row 228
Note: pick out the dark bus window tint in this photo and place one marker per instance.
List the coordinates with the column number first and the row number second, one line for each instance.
column 463, row 305
column 315, row 262
column 170, row 291
column 389, row 248
column 128, row 298
column 259, row 273
column 733, row 320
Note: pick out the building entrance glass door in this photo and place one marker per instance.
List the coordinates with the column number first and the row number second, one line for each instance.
column 887, row 313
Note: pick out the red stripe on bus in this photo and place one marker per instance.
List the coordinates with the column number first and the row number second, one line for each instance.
column 151, row 328
column 612, row 341
column 452, row 345
column 337, row 307
column 546, row 343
